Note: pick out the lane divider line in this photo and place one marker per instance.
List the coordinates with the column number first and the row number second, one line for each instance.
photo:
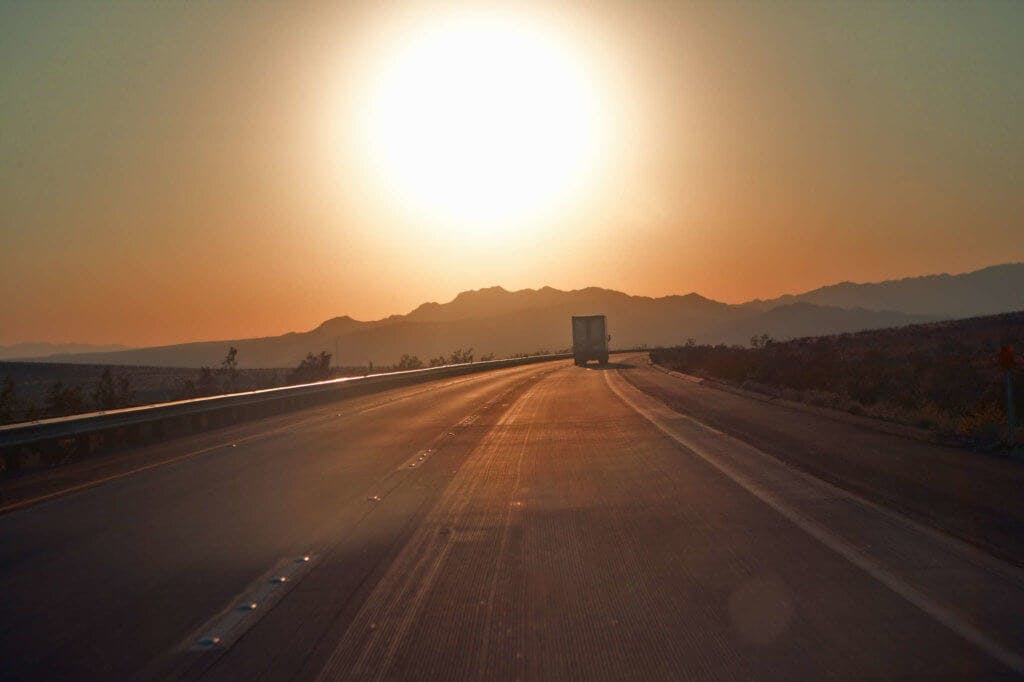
column 937, row 611
column 396, row 476
column 224, row 629
column 209, row 642
column 396, row 600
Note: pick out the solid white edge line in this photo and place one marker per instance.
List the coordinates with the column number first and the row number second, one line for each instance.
column 938, row 612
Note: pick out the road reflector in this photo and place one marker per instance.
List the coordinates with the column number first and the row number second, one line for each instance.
column 224, row 629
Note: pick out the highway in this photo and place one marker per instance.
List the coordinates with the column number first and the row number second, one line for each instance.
column 543, row 522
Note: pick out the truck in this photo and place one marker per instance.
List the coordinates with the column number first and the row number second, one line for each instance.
column 590, row 339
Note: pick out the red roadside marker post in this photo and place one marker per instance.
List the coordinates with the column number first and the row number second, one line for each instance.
column 1007, row 362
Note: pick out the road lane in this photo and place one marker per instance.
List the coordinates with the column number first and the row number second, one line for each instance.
column 113, row 576
column 578, row 540
column 550, row 523
column 23, row 491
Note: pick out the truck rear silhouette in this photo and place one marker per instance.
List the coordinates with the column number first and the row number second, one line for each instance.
column 590, row 339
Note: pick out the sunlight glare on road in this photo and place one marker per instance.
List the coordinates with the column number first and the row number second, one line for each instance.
column 482, row 121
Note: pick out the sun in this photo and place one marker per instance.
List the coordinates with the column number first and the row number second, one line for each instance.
column 482, row 122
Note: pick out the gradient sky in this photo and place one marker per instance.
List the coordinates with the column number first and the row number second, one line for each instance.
column 182, row 171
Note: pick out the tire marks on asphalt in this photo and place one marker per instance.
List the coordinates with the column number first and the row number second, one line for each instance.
column 371, row 645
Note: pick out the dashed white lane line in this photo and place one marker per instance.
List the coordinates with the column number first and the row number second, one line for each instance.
column 224, row 629
column 655, row 413
column 417, row 459
column 390, row 610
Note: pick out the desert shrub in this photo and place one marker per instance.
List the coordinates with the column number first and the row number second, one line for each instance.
column 185, row 390
column 940, row 375
column 206, row 384
column 460, row 356
column 63, row 400
column 985, row 420
column 229, row 370
column 409, row 362
column 8, row 401
column 312, row 368
column 112, row 390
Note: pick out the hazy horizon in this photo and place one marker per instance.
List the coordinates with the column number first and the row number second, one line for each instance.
column 173, row 173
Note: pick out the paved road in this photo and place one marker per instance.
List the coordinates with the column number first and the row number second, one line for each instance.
column 542, row 522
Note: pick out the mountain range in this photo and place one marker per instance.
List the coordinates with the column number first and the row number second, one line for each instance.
column 494, row 320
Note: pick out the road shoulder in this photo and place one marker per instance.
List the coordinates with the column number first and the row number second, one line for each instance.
column 969, row 495
column 893, row 428
column 894, row 550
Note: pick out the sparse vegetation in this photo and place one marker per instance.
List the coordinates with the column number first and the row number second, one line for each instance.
column 31, row 391
column 942, row 376
column 8, row 401
column 407, row 362
column 62, row 399
column 460, row 356
column 457, row 357
column 27, row 389
column 541, row 351
column 229, row 370
column 112, row 391
column 207, row 383
column 312, row 368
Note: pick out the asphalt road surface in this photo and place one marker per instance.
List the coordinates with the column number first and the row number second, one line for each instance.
column 545, row 522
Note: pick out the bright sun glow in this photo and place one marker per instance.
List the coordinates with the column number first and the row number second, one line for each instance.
column 483, row 123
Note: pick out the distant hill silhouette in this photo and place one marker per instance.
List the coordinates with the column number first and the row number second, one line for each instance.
column 992, row 290
column 806, row 319
column 494, row 320
column 29, row 350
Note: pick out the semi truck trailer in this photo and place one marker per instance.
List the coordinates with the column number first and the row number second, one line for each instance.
column 590, row 339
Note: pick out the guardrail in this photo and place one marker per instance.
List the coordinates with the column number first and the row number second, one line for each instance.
column 53, row 442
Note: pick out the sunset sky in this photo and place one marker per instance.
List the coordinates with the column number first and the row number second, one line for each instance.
column 179, row 171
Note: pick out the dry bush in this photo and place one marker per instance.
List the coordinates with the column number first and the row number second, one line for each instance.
column 942, row 376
